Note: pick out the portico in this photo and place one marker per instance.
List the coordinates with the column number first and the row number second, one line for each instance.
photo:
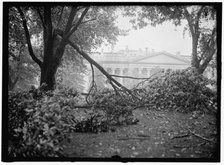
column 140, row 65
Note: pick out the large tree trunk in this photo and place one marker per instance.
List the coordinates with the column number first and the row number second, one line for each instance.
column 194, row 61
column 48, row 72
column 52, row 58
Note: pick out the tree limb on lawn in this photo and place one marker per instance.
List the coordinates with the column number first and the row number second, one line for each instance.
column 91, row 61
column 197, row 135
column 138, row 78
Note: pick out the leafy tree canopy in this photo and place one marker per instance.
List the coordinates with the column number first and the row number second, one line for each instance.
column 45, row 32
column 201, row 23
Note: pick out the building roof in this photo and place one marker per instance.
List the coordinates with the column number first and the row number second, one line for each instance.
column 137, row 56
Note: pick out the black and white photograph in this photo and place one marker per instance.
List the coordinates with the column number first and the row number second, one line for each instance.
column 111, row 81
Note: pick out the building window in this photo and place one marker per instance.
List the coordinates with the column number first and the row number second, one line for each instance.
column 125, row 71
column 135, row 72
column 156, row 70
column 109, row 70
column 144, row 71
column 117, row 71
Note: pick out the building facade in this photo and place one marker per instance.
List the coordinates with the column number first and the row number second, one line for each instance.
column 136, row 63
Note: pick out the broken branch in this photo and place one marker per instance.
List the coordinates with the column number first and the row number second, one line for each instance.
column 197, row 135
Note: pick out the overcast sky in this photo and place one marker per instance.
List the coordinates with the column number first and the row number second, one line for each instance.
column 165, row 37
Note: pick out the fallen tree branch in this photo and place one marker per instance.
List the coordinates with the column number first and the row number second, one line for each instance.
column 134, row 138
column 181, row 136
column 197, row 135
column 92, row 85
column 138, row 78
column 91, row 61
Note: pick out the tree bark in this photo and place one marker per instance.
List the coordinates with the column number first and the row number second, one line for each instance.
column 195, row 61
column 48, row 74
column 52, row 58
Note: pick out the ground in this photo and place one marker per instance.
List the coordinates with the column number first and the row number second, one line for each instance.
column 158, row 134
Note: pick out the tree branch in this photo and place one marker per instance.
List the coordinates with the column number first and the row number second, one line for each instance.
column 197, row 135
column 70, row 20
column 77, row 24
column 67, row 28
column 91, row 61
column 189, row 20
column 41, row 18
column 47, row 21
column 92, row 84
column 28, row 39
column 197, row 20
column 88, row 20
column 138, row 78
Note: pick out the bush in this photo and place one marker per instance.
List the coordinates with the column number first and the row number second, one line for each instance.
column 40, row 121
column 182, row 90
column 37, row 124
column 115, row 107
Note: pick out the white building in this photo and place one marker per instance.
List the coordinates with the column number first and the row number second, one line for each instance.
column 137, row 63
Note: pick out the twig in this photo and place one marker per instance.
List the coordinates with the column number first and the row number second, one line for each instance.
column 41, row 17
column 92, row 84
column 115, row 88
column 130, row 77
column 181, row 136
column 134, row 138
column 88, row 20
column 210, row 140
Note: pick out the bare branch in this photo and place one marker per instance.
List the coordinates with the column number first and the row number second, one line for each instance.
column 28, row 39
column 189, row 20
column 138, row 78
column 88, row 21
column 92, row 85
column 91, row 61
column 209, row 140
column 197, row 20
column 77, row 24
column 41, row 18
column 70, row 20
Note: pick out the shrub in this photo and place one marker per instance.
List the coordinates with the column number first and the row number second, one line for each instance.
column 36, row 126
column 182, row 90
column 115, row 107
column 40, row 121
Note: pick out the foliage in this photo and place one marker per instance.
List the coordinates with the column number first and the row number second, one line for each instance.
column 116, row 108
column 72, row 71
column 35, row 126
column 201, row 24
column 85, row 26
column 39, row 122
column 22, row 70
column 181, row 90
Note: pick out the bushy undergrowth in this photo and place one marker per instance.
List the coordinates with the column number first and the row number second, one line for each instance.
column 181, row 90
column 39, row 121
column 115, row 107
column 35, row 122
